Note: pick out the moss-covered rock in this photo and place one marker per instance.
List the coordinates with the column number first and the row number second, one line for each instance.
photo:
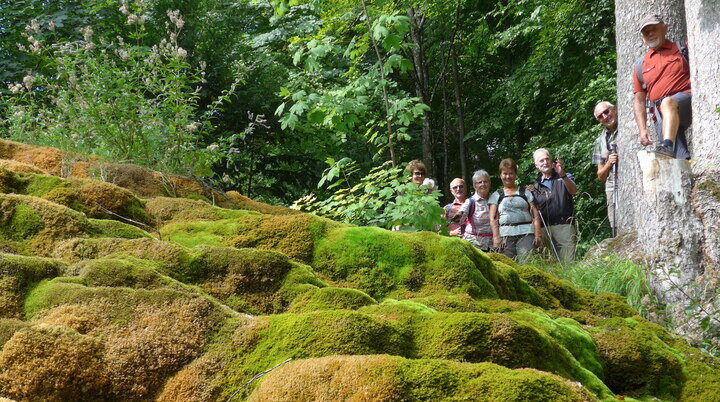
column 637, row 361
column 52, row 362
column 108, row 228
column 164, row 210
column 390, row 378
column 17, row 273
column 330, row 298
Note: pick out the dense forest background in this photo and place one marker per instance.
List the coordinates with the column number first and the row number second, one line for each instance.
column 270, row 98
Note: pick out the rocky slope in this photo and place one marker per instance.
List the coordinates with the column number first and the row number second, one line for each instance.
column 118, row 283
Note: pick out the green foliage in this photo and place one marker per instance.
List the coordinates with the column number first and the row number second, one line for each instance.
column 122, row 101
column 384, row 197
column 609, row 274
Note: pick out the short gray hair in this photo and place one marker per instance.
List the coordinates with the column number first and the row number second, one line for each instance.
column 538, row 151
column 478, row 174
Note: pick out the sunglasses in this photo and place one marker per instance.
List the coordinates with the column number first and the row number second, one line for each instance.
column 418, row 173
column 605, row 113
column 458, row 187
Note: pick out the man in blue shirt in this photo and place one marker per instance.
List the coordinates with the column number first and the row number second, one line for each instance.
column 553, row 191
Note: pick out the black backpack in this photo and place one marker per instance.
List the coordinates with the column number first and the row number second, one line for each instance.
column 501, row 195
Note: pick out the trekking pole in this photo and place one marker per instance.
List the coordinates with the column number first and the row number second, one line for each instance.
column 550, row 239
column 613, row 149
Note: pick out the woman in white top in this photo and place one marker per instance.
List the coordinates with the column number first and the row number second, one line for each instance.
column 513, row 216
column 477, row 227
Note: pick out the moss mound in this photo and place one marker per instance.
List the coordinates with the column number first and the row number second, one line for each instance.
column 18, row 273
column 330, row 298
column 235, row 287
column 164, row 210
column 389, row 378
column 637, row 361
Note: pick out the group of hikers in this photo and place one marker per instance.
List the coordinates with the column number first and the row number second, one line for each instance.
column 515, row 220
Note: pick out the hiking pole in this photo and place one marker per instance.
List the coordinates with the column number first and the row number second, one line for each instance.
column 550, row 239
column 613, row 149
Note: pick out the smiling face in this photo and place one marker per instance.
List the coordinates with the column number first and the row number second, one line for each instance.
column 508, row 176
column 543, row 163
column 457, row 188
column 482, row 186
column 418, row 177
column 606, row 114
column 654, row 35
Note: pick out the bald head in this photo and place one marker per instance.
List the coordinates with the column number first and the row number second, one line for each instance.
column 606, row 114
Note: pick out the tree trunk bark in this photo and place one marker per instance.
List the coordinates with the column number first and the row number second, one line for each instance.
column 460, row 120
column 629, row 47
column 703, row 20
column 421, row 85
column 673, row 204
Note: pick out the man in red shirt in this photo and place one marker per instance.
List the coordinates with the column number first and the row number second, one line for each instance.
column 666, row 84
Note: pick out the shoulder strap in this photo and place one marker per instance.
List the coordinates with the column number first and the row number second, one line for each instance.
column 501, row 195
column 521, row 194
column 682, row 47
column 639, row 72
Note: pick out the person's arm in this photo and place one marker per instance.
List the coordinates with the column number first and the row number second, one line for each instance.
column 495, row 225
column 536, row 224
column 604, row 168
column 641, row 117
column 569, row 183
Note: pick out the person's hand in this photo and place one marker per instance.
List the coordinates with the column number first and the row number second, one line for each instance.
column 530, row 188
column 559, row 167
column 645, row 138
column 455, row 232
column 537, row 241
column 497, row 242
column 612, row 159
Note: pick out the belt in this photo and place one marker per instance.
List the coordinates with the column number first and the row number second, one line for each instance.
column 516, row 224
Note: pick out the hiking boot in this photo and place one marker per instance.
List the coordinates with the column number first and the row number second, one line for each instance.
column 664, row 150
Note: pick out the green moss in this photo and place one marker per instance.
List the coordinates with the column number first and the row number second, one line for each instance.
column 55, row 292
column 191, row 234
column 164, row 210
column 637, row 362
column 318, row 334
column 292, row 235
column 330, row 298
column 17, row 274
column 108, row 228
column 39, row 185
column 249, row 280
column 24, row 223
column 128, row 272
column 396, row 378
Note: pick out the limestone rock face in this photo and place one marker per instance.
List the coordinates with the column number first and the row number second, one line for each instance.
column 190, row 301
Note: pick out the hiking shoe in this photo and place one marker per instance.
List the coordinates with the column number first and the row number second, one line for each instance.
column 665, row 151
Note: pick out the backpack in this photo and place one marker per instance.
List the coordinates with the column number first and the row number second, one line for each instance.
column 501, row 195
column 682, row 47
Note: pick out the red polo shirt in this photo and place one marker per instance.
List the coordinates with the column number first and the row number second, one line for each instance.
column 665, row 72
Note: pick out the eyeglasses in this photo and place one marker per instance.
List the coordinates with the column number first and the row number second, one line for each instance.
column 458, row 187
column 418, row 173
column 605, row 113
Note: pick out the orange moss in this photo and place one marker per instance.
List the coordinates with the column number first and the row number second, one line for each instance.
column 158, row 341
column 252, row 205
column 51, row 362
column 19, row 167
column 48, row 159
column 80, row 169
column 195, row 382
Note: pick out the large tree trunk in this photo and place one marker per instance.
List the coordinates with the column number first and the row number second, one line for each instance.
column 422, row 89
column 460, row 119
column 703, row 20
column 672, row 205
column 629, row 48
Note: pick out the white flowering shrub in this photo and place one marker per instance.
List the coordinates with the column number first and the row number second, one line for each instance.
column 123, row 102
